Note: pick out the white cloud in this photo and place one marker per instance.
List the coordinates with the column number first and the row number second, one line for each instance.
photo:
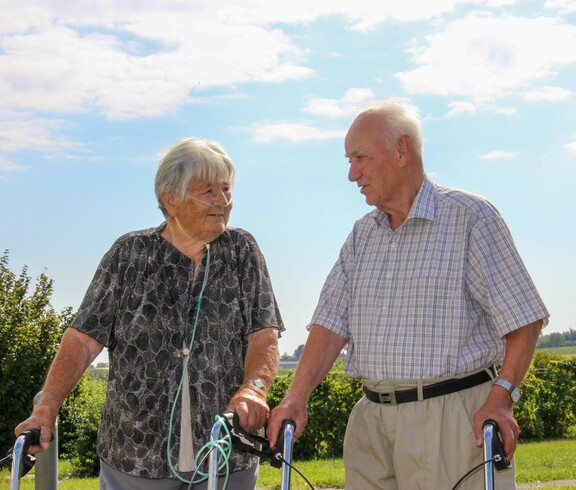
column 570, row 147
column 486, row 57
column 458, row 108
column 548, row 94
column 294, row 132
column 60, row 70
column 352, row 102
column 506, row 111
column 360, row 14
column 8, row 166
column 563, row 6
column 129, row 59
column 500, row 155
column 20, row 132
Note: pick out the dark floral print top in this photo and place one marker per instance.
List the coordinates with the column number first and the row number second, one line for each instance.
column 142, row 305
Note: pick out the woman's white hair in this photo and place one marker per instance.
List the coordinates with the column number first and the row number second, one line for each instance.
column 191, row 159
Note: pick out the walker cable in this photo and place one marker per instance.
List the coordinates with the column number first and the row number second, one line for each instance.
column 246, row 442
column 494, row 448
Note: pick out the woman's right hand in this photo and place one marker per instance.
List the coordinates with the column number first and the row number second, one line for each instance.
column 43, row 418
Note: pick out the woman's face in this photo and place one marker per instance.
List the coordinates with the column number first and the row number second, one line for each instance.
column 205, row 210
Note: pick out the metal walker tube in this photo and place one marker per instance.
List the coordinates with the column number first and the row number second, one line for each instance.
column 17, row 462
column 287, row 452
column 47, row 461
column 488, row 431
column 213, row 461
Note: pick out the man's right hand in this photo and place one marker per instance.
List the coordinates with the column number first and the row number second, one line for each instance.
column 292, row 407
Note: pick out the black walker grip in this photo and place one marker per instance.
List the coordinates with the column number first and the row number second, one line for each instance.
column 500, row 460
column 29, row 438
column 278, row 451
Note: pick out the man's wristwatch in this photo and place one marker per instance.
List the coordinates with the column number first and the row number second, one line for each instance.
column 509, row 387
column 256, row 382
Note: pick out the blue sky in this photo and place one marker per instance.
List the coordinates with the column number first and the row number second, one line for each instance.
column 92, row 91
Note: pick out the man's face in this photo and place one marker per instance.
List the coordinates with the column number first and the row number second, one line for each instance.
column 372, row 161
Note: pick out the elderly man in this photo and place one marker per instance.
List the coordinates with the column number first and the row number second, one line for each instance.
column 428, row 293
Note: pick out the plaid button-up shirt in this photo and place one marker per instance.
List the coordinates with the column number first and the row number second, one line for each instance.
column 435, row 297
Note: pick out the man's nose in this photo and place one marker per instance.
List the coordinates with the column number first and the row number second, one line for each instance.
column 354, row 172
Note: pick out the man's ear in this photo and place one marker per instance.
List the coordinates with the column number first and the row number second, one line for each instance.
column 404, row 144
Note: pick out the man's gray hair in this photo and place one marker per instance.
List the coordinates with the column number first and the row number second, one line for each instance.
column 401, row 118
column 191, row 159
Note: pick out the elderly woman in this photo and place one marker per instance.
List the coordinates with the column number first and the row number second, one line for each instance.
column 191, row 324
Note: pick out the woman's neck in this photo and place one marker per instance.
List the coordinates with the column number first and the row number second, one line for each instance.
column 190, row 246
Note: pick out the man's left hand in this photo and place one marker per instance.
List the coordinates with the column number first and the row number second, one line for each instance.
column 498, row 407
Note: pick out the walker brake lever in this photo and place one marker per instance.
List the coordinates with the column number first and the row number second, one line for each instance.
column 246, row 442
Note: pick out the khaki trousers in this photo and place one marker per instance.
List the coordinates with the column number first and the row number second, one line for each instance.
column 422, row 445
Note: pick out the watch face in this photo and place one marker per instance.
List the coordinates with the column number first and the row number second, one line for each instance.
column 257, row 383
column 515, row 394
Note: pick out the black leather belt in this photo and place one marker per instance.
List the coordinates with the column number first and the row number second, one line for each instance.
column 430, row 391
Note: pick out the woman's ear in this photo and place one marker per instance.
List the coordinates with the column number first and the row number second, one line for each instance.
column 169, row 202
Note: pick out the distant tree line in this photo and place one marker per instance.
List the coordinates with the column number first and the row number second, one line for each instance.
column 557, row 339
column 298, row 353
column 293, row 357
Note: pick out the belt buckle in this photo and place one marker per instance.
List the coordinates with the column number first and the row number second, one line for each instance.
column 389, row 398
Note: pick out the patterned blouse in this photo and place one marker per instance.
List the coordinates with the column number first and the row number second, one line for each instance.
column 142, row 305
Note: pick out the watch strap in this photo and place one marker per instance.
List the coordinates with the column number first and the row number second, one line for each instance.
column 514, row 391
column 258, row 383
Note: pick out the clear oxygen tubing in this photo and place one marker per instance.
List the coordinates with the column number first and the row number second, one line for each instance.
column 218, row 206
column 204, row 476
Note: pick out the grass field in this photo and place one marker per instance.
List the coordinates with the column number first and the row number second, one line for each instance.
column 544, row 461
column 560, row 351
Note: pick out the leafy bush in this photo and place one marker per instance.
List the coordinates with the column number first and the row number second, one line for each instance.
column 78, row 426
column 328, row 410
column 30, row 331
column 548, row 406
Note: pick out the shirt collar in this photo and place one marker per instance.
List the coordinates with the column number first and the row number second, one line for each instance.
column 424, row 206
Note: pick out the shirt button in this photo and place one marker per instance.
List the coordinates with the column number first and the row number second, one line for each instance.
column 389, row 275
column 384, row 309
column 393, row 245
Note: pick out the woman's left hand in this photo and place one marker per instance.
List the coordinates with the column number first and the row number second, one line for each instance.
column 250, row 405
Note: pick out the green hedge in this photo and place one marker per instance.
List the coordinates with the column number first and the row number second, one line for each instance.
column 328, row 410
column 78, row 425
column 547, row 409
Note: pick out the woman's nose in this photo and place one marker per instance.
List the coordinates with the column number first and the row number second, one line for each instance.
column 223, row 198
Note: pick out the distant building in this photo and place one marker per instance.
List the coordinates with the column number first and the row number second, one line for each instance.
column 288, row 364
